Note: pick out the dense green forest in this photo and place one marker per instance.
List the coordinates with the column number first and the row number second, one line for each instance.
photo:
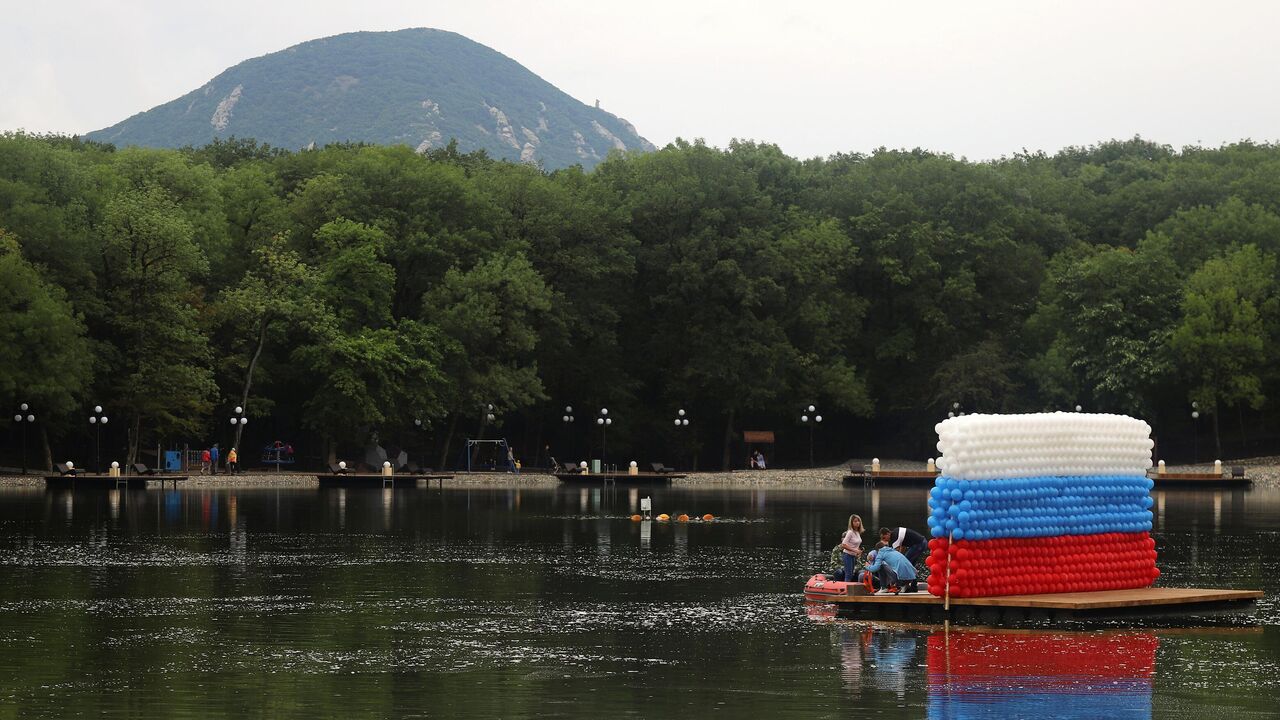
column 343, row 293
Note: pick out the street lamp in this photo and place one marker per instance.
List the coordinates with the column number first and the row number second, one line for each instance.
column 238, row 421
column 24, row 419
column 955, row 410
column 682, row 421
column 97, row 419
column 567, row 419
column 604, row 421
column 1078, row 408
column 1195, row 432
column 804, row 418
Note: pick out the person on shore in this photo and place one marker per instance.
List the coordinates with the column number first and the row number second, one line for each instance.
column 205, row 457
column 893, row 570
column 851, row 547
column 906, row 541
column 213, row 459
column 760, row 460
column 233, row 462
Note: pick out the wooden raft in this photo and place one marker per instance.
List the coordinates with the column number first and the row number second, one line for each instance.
column 1155, row 601
column 891, row 477
column 643, row 478
column 83, row 481
column 377, row 480
column 1169, row 479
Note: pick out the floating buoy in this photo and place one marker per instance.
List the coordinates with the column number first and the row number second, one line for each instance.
column 636, row 518
column 683, row 518
column 708, row 517
column 664, row 517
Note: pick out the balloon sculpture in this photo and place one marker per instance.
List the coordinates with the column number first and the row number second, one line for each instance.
column 1041, row 503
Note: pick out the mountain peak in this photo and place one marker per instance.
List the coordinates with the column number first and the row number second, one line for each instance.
column 420, row 87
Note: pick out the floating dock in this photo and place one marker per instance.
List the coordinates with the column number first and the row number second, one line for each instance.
column 890, row 478
column 1151, row 602
column 350, row 480
column 644, row 478
column 85, row 481
column 1196, row 480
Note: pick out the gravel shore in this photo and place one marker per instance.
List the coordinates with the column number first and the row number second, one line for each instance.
column 1264, row 471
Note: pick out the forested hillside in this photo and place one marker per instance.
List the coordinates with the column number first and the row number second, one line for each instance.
column 342, row 293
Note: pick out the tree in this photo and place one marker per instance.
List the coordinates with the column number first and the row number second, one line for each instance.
column 487, row 317
column 278, row 290
column 45, row 358
column 1111, row 311
column 158, row 358
column 1222, row 339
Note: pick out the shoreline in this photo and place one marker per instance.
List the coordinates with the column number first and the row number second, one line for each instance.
column 1265, row 472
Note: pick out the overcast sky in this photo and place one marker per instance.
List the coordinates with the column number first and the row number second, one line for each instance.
column 979, row 79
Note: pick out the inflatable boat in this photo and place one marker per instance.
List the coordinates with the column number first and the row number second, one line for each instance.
column 820, row 589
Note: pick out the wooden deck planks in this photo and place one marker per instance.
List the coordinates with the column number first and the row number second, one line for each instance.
column 1100, row 600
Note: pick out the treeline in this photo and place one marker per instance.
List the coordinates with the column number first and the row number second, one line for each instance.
column 341, row 294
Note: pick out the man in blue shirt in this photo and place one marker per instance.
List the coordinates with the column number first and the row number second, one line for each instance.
column 213, row 455
column 891, row 568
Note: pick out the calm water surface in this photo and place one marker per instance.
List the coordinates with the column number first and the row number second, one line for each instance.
column 551, row 603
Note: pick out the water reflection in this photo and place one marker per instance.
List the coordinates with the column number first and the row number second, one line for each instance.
column 976, row 674
column 1000, row 674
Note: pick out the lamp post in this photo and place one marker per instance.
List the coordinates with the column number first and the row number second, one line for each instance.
column 1078, row 408
column 955, row 410
column 604, row 421
column 1195, row 432
column 681, row 420
column 24, row 418
column 238, row 421
column 97, row 420
column 805, row 419
column 567, row 419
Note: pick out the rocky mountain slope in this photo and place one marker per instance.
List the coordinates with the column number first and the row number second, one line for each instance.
column 419, row 87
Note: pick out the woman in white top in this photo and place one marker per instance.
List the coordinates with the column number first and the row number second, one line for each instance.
column 851, row 544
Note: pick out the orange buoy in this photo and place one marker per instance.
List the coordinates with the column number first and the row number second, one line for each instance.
column 636, row 518
column 664, row 517
column 708, row 517
column 683, row 518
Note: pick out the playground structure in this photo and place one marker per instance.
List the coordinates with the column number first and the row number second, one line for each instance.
column 489, row 455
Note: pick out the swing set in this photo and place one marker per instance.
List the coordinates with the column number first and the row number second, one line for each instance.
column 489, row 454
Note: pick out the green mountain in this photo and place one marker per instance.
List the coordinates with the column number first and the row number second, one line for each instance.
column 418, row 87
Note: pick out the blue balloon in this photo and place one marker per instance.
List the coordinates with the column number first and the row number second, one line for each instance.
column 958, row 534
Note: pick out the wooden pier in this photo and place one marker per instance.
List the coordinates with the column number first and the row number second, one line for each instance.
column 1199, row 480
column 1012, row 609
column 618, row 478
column 890, row 478
column 352, row 480
column 86, row 481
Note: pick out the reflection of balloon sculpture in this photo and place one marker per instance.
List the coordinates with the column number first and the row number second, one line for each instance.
column 1040, row 503
column 1054, row 674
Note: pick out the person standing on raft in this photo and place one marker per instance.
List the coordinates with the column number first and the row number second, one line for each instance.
column 906, row 541
column 851, row 546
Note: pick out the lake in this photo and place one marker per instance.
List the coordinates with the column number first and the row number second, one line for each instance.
column 551, row 602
